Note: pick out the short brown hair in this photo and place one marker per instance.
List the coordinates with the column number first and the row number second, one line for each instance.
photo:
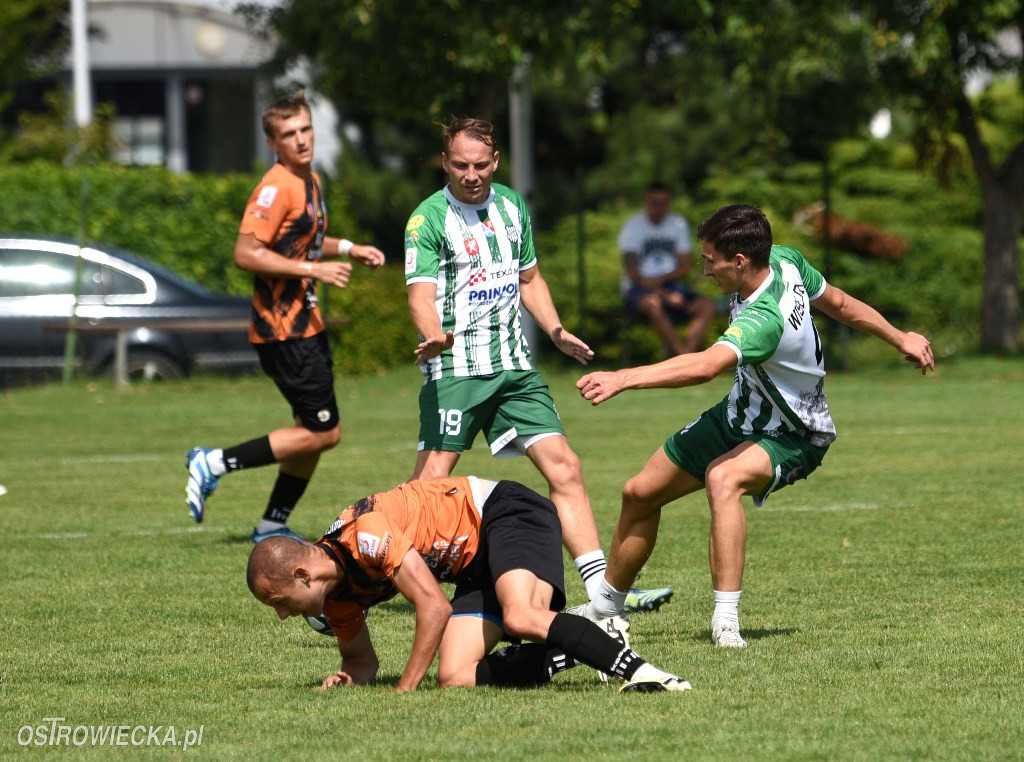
column 284, row 108
column 475, row 129
column 739, row 228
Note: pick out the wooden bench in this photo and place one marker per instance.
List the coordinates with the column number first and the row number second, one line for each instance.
column 122, row 330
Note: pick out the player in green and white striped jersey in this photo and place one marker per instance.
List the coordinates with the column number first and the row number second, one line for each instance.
column 773, row 428
column 473, row 255
column 470, row 269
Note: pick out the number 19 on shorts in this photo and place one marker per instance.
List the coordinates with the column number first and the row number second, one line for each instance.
column 451, row 421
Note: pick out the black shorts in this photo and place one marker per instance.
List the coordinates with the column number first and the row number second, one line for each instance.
column 302, row 369
column 520, row 530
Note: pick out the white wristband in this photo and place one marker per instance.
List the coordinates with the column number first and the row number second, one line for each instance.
column 344, row 247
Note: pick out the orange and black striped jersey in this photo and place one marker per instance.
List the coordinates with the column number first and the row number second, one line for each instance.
column 440, row 520
column 288, row 214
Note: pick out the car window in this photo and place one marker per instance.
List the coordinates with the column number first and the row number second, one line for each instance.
column 45, row 273
column 121, row 283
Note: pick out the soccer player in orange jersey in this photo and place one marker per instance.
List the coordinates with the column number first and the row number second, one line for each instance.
column 283, row 243
column 500, row 543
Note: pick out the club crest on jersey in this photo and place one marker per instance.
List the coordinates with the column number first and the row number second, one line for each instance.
column 368, row 544
column 472, row 247
column 267, row 195
column 488, row 228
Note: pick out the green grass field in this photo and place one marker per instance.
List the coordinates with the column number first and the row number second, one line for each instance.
column 882, row 600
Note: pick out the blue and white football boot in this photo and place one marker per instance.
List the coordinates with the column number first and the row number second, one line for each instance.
column 201, row 481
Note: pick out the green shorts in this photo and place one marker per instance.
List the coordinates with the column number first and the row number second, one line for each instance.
column 513, row 408
column 710, row 436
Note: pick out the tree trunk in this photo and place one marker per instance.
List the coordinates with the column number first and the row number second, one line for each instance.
column 1000, row 299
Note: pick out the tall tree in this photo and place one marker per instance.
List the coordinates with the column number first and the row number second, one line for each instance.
column 927, row 51
column 33, row 36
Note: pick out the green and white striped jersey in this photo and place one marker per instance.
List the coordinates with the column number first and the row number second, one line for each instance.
column 780, row 376
column 474, row 253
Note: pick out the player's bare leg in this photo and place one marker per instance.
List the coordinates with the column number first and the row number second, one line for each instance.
column 745, row 470
column 658, row 483
column 434, row 464
column 561, row 468
column 467, row 640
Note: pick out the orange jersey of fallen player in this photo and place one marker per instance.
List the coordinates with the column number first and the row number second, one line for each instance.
column 288, row 214
column 438, row 519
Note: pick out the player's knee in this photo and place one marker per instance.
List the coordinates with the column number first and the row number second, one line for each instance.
column 325, row 440
column 457, row 676
column 720, row 481
column 521, row 622
column 565, row 471
column 635, row 502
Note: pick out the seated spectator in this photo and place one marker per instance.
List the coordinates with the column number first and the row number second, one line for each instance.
column 657, row 255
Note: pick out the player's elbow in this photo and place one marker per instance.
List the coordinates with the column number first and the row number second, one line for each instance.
column 704, row 371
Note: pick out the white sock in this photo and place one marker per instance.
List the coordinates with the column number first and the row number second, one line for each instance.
column 727, row 606
column 215, row 460
column 591, row 567
column 608, row 601
column 266, row 525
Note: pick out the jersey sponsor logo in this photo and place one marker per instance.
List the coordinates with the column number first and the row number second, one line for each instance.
column 267, row 195
column 488, row 228
column 260, row 215
column 336, row 526
column 411, row 237
column 488, row 295
column 472, row 247
column 478, row 277
column 415, row 222
column 499, row 274
column 444, row 555
column 735, row 331
column 368, row 544
column 512, row 233
column 410, row 260
column 323, row 415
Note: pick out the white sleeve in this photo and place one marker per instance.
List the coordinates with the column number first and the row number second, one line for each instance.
column 684, row 241
column 629, row 237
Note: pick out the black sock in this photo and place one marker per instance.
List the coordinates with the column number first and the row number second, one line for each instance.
column 251, row 454
column 287, row 491
column 585, row 642
column 523, row 666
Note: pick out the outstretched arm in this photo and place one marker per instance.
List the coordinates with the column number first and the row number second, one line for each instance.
column 840, row 306
column 414, row 580
column 683, row 370
column 536, row 297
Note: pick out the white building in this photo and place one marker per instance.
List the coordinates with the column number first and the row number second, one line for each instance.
column 185, row 79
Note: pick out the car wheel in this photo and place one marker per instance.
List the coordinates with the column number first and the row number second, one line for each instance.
column 152, row 366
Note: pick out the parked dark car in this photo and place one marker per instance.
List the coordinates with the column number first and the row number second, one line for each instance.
column 117, row 288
